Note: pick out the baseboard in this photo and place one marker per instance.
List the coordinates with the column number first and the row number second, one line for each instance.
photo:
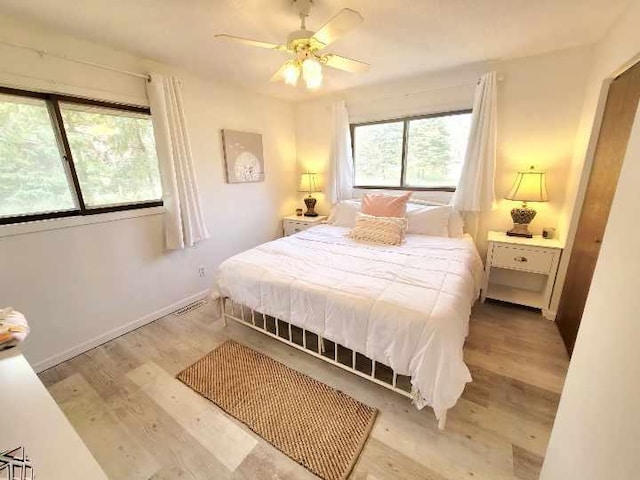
column 549, row 315
column 116, row 332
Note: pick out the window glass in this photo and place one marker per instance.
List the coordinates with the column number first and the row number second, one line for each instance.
column 431, row 154
column 435, row 150
column 33, row 177
column 114, row 155
column 378, row 154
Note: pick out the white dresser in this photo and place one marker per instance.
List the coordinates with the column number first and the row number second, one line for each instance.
column 30, row 418
column 293, row 224
column 521, row 270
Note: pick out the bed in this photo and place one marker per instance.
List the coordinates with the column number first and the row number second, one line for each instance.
column 405, row 308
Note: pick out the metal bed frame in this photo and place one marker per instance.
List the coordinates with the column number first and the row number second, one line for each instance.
column 248, row 317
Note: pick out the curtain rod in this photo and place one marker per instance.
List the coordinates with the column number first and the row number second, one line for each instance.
column 420, row 92
column 42, row 53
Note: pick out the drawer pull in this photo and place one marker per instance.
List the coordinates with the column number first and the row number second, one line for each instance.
column 296, row 229
column 520, row 259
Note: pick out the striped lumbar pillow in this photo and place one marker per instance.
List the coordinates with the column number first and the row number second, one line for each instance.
column 385, row 230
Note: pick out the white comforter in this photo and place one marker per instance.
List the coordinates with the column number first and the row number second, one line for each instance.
column 406, row 306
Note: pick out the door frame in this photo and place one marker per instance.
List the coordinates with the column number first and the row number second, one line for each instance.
column 581, row 191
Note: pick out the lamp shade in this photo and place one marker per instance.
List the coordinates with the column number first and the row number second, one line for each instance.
column 312, row 73
column 310, row 182
column 529, row 186
column 291, row 73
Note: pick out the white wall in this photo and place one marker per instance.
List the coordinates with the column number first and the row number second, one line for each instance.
column 78, row 284
column 612, row 55
column 596, row 434
column 539, row 106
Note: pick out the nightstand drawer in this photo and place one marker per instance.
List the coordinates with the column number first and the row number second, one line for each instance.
column 529, row 260
column 291, row 227
column 293, row 224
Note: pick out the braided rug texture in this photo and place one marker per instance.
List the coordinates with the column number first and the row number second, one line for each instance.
column 319, row 427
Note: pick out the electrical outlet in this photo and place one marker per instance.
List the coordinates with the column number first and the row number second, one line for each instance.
column 202, row 271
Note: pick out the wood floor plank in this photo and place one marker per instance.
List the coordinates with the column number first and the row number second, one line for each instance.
column 522, row 432
column 189, row 330
column 517, row 344
column 119, row 455
column 511, row 367
column 265, row 461
column 381, row 462
column 522, row 400
column 173, row 473
column 526, row 465
column 174, row 448
column 61, row 371
column 455, row 453
column 213, row 429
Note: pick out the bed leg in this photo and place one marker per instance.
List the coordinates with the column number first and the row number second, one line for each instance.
column 224, row 317
column 442, row 421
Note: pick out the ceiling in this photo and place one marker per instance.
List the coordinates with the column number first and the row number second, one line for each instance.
column 398, row 38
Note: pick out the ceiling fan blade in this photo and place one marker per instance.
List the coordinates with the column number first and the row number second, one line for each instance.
column 344, row 63
column 279, row 75
column 345, row 20
column 251, row 43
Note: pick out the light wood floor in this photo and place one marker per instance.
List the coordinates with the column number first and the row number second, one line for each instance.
column 141, row 423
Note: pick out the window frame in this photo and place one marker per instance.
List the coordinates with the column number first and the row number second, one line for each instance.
column 405, row 137
column 53, row 104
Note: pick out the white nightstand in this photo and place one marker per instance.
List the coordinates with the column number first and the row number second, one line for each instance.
column 294, row 224
column 521, row 270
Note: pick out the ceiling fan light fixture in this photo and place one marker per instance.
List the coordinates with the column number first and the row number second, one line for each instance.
column 303, row 46
column 315, row 83
column 312, row 73
column 291, row 73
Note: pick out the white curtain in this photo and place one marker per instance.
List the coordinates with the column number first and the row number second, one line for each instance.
column 476, row 191
column 184, row 222
column 340, row 184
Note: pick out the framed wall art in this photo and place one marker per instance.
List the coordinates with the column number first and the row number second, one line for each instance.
column 243, row 156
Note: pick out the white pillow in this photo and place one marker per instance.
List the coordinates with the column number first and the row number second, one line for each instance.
column 424, row 220
column 385, row 230
column 428, row 203
column 344, row 213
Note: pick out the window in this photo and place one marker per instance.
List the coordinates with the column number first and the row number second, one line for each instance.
column 32, row 174
column 419, row 153
column 63, row 156
column 114, row 153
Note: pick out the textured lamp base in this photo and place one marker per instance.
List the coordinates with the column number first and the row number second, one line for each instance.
column 520, row 230
column 521, row 217
column 310, row 202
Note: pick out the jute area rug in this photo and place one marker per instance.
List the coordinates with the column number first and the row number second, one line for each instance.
column 319, row 427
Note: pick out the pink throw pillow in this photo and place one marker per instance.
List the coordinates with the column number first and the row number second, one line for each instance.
column 385, row 205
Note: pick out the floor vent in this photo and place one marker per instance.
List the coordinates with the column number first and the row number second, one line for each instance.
column 190, row 307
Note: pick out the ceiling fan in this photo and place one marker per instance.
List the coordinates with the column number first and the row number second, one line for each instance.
column 304, row 46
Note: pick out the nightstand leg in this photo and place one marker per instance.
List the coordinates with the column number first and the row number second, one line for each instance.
column 483, row 291
column 224, row 317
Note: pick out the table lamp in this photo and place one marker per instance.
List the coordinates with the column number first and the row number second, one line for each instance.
column 529, row 186
column 310, row 183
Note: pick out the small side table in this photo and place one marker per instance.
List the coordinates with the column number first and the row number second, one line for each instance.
column 293, row 224
column 521, row 270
